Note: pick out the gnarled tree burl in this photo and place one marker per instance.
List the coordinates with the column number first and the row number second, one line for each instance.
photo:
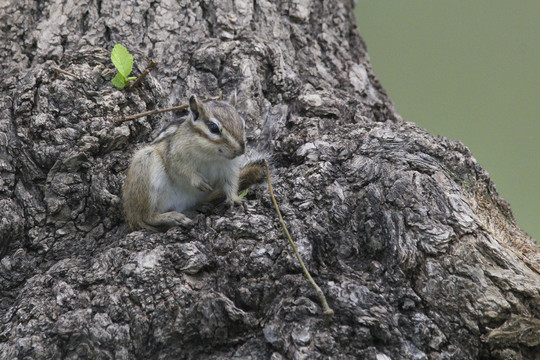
column 403, row 231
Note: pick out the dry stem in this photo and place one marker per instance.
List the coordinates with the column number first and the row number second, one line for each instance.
column 64, row 72
column 151, row 65
column 326, row 309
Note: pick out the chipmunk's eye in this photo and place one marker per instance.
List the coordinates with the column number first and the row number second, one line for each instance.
column 214, row 129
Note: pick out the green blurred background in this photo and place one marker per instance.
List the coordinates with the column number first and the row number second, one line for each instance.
column 470, row 71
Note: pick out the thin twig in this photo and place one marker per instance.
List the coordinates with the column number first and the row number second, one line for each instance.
column 326, row 309
column 151, row 112
column 151, row 65
column 64, row 72
column 122, row 119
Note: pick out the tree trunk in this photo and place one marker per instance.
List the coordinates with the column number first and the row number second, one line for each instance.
column 403, row 231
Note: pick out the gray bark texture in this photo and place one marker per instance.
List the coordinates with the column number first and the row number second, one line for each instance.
column 403, row 231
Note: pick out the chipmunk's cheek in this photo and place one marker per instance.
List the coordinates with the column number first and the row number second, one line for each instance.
column 225, row 153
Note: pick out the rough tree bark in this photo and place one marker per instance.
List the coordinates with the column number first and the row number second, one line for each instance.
column 404, row 231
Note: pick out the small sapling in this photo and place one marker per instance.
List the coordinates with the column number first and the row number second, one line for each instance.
column 123, row 61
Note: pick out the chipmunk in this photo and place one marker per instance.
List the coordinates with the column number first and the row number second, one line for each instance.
column 189, row 164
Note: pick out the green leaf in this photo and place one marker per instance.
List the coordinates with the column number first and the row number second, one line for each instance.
column 119, row 81
column 122, row 59
column 243, row 193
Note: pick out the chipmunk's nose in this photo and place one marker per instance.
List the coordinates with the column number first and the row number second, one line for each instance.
column 238, row 150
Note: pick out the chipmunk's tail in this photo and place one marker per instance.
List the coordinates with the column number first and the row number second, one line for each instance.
column 254, row 170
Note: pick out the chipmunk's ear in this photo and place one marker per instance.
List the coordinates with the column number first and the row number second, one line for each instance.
column 232, row 99
column 196, row 107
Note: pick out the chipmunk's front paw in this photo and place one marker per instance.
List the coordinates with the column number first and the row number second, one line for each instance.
column 201, row 183
column 234, row 199
column 234, row 202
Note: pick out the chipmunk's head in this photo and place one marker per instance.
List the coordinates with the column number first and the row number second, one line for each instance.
column 219, row 126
